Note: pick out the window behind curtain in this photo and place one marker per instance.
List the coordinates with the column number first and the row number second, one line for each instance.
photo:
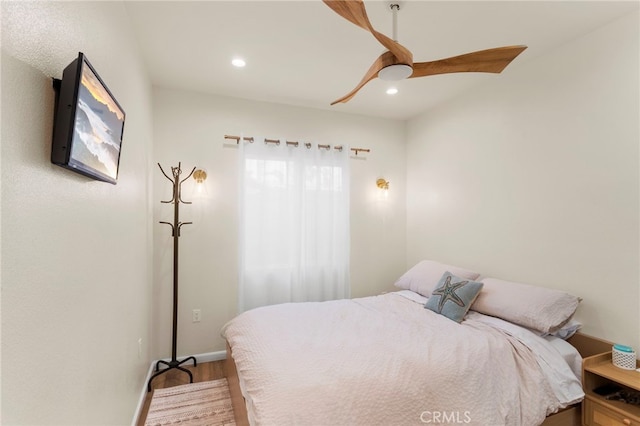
column 294, row 225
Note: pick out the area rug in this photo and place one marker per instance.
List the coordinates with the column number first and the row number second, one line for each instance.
column 195, row 404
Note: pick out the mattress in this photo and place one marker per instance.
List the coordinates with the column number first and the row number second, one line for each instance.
column 386, row 360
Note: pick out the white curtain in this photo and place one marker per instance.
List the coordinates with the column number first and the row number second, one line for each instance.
column 294, row 224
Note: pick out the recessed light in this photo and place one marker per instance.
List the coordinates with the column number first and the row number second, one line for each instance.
column 238, row 62
column 392, row 91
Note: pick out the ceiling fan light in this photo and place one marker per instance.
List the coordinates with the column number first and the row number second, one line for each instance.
column 395, row 72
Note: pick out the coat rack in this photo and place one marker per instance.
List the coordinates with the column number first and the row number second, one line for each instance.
column 175, row 233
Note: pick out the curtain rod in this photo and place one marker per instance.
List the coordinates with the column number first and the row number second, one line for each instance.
column 293, row 143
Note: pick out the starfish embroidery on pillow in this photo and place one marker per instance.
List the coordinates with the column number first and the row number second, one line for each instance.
column 461, row 292
column 448, row 292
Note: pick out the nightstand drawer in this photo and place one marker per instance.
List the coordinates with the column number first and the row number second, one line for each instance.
column 596, row 414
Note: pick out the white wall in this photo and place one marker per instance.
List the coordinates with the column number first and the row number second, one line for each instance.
column 189, row 127
column 535, row 178
column 76, row 253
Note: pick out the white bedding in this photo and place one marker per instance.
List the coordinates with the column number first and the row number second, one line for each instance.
column 386, row 360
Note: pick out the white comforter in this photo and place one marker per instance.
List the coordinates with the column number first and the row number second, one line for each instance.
column 385, row 360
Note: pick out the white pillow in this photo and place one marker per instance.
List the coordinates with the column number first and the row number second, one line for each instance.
column 567, row 330
column 539, row 308
column 423, row 278
column 568, row 352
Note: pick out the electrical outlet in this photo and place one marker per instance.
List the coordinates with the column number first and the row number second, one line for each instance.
column 140, row 348
column 196, row 315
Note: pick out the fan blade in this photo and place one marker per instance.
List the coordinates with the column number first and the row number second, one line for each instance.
column 384, row 60
column 352, row 11
column 403, row 54
column 355, row 12
column 490, row 60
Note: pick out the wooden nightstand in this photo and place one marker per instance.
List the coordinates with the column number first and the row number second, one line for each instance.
column 598, row 370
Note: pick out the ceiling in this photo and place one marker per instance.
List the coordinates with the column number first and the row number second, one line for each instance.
column 302, row 53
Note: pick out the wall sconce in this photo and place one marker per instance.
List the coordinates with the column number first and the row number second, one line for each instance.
column 384, row 186
column 199, row 176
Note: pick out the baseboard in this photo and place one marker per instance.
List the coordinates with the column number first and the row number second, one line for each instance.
column 211, row 356
column 143, row 395
column 206, row 357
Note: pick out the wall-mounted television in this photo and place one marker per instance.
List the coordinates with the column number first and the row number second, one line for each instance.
column 88, row 123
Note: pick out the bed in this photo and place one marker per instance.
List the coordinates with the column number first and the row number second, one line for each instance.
column 387, row 360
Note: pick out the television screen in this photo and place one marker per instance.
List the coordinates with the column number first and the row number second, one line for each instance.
column 88, row 124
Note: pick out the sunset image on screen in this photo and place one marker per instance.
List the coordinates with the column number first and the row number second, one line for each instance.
column 98, row 126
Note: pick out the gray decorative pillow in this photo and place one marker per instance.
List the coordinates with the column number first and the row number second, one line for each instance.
column 453, row 296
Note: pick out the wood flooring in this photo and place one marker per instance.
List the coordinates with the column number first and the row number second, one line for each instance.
column 202, row 373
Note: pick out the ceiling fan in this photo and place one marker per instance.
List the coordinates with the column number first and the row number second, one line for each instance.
column 397, row 62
